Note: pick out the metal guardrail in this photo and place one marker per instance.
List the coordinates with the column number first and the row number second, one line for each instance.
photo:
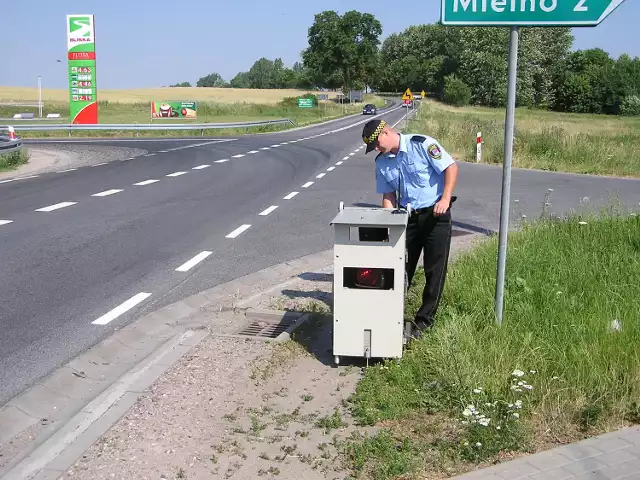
column 9, row 146
column 144, row 126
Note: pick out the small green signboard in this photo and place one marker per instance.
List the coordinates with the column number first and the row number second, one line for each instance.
column 527, row 12
column 305, row 102
column 173, row 109
column 81, row 54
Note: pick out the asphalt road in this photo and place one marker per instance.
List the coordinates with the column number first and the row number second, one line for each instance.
column 241, row 205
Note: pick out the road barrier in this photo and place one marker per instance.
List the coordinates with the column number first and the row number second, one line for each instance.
column 145, row 126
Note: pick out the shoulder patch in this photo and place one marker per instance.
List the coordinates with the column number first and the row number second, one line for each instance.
column 418, row 138
column 434, row 151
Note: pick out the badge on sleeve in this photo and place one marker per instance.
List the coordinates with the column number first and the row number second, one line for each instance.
column 434, row 151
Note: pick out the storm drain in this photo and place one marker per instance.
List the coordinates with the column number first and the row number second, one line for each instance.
column 268, row 324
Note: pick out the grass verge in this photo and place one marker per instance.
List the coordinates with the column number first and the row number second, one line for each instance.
column 590, row 144
column 11, row 161
column 563, row 366
column 208, row 112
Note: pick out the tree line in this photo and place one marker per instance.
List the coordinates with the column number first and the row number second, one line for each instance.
column 459, row 65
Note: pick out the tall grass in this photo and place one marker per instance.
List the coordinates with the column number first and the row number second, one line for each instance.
column 565, row 364
column 591, row 144
column 11, row 161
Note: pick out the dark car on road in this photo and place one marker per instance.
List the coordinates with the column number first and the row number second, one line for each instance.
column 369, row 109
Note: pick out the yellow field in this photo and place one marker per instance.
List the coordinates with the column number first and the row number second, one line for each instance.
column 220, row 95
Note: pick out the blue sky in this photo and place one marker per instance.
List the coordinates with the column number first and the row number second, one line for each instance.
column 182, row 41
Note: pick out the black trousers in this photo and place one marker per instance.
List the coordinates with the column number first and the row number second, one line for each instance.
column 431, row 235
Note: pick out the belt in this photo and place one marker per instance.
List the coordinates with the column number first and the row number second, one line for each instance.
column 418, row 211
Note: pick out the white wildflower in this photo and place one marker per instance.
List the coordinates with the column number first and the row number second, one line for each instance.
column 520, row 384
column 533, row 372
column 555, row 378
column 582, row 223
column 466, row 444
column 478, row 444
column 467, row 413
column 517, row 373
column 616, row 325
column 498, row 427
column 484, row 422
column 558, row 293
column 477, row 390
column 518, row 403
column 516, row 388
column 488, row 404
column 510, row 405
column 529, row 387
column 516, row 415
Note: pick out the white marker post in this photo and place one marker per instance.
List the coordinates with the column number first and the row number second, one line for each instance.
column 479, row 147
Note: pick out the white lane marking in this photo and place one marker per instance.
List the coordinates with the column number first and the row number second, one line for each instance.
column 163, row 151
column 197, row 144
column 148, row 154
column 352, row 154
column 290, row 196
column 106, row 192
column 331, row 169
column 265, row 148
column 339, row 163
column 346, row 158
column 147, row 182
column 268, row 210
column 176, row 174
column 24, row 178
column 5, row 222
column 51, row 208
column 300, row 139
column 320, row 175
column 98, row 164
column 7, row 181
column 67, row 170
column 200, row 167
column 238, row 156
column 284, row 143
column 307, row 185
column 253, row 151
column 154, row 140
column 193, row 262
column 120, row 309
column 238, row 231
column 275, row 146
column 221, row 161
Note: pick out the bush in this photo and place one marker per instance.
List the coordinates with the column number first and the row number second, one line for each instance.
column 10, row 161
column 630, row 106
column 293, row 101
column 456, row 92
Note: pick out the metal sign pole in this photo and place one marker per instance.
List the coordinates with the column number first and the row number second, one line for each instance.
column 506, row 170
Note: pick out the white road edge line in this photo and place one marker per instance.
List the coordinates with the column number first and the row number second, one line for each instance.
column 221, row 161
column 120, row 309
column 5, row 222
column 176, row 174
column 307, row 185
column 200, row 167
column 185, row 267
column 148, row 154
column 67, row 170
column 163, row 151
column 51, row 208
column 331, row 169
column 267, row 211
column 320, row 175
column 147, row 182
column 290, row 196
column 339, row 163
column 98, row 164
column 106, row 192
column 238, row 156
column 238, row 231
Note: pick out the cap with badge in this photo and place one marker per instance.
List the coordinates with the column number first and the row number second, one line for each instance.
column 370, row 133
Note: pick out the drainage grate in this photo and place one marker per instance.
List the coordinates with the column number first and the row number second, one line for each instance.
column 260, row 328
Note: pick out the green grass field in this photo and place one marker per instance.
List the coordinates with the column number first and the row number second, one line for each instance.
column 208, row 112
column 564, row 365
column 593, row 144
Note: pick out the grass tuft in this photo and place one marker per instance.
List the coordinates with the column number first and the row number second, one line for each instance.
column 564, row 365
column 11, row 161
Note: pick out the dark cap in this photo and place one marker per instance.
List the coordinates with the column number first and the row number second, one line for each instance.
column 370, row 133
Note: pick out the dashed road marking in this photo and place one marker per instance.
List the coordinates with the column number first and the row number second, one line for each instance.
column 198, row 144
column 253, row 151
column 307, row 185
column 24, row 178
column 57, row 206
column 148, row 154
column 221, row 161
column 106, row 193
column 275, row 146
column 352, row 154
column 120, row 309
column 5, row 222
column 67, row 170
column 320, row 175
column 339, row 163
column 163, row 151
column 200, row 167
column 265, row 148
column 290, row 196
column 176, row 174
column 238, row 156
column 185, row 267
column 331, row 169
column 238, row 231
column 267, row 211
column 346, row 158
column 147, row 182
column 98, row 164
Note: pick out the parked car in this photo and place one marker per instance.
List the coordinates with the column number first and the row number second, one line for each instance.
column 369, row 109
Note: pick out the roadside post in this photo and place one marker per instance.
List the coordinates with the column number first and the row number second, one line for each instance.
column 515, row 14
column 407, row 98
column 369, row 282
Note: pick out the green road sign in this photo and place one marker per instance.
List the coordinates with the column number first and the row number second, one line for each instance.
column 81, row 54
column 527, row 12
column 305, row 102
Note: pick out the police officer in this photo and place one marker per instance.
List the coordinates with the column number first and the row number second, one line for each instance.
column 424, row 175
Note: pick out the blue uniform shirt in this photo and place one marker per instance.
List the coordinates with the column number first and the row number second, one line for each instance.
column 416, row 172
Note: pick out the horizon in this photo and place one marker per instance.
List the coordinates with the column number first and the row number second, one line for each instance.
column 123, row 64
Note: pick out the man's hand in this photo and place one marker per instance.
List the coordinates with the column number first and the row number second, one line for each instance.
column 441, row 207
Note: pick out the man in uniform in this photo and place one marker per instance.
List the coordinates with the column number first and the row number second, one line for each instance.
column 424, row 175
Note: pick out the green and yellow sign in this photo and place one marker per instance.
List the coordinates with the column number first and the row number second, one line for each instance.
column 81, row 54
column 174, row 109
column 305, row 102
